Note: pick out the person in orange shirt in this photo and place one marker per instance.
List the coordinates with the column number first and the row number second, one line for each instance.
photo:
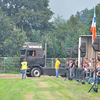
column 57, row 63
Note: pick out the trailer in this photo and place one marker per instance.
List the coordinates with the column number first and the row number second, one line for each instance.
column 90, row 53
column 35, row 56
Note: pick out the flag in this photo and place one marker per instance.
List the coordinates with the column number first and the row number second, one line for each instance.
column 93, row 26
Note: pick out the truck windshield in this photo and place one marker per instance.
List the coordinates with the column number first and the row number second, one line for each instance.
column 22, row 52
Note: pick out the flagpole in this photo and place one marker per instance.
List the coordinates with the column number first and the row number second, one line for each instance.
column 94, row 33
column 92, row 42
column 95, row 51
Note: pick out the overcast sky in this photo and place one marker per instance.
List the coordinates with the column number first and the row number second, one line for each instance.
column 66, row 8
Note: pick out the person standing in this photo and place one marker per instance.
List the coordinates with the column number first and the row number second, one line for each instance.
column 76, row 68
column 73, row 68
column 70, row 66
column 57, row 63
column 24, row 68
column 68, row 69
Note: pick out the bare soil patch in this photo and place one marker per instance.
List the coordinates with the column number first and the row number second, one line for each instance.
column 28, row 96
column 13, row 76
column 10, row 76
column 43, row 84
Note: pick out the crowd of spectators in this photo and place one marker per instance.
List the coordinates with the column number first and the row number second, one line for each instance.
column 86, row 70
column 72, row 68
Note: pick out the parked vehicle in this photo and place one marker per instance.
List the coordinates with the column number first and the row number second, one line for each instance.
column 35, row 56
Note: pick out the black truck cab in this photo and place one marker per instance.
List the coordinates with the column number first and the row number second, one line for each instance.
column 35, row 57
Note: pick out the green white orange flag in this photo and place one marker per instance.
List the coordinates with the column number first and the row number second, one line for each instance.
column 93, row 26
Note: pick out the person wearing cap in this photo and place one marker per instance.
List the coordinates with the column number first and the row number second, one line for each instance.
column 24, row 68
column 57, row 63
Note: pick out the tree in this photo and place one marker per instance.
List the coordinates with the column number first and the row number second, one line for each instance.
column 13, row 44
column 85, row 16
column 98, row 19
column 12, row 38
column 29, row 14
column 65, row 35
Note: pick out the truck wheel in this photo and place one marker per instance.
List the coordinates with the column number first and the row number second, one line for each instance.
column 35, row 72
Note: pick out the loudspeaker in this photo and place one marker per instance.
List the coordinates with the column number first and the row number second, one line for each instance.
column 75, row 49
column 69, row 52
column 83, row 54
column 83, row 47
column 96, row 44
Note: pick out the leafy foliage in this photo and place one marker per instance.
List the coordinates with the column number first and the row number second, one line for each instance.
column 28, row 20
column 12, row 38
column 85, row 16
column 28, row 14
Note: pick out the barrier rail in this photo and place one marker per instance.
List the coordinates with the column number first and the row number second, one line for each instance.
column 12, row 64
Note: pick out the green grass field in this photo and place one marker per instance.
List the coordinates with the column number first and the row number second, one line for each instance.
column 45, row 88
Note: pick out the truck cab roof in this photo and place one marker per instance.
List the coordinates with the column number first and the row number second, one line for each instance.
column 32, row 45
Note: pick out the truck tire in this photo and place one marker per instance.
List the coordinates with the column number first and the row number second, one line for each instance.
column 35, row 72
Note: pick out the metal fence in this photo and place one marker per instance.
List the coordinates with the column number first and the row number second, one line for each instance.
column 9, row 64
column 50, row 62
column 12, row 64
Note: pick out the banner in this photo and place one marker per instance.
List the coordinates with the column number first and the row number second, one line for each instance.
column 93, row 26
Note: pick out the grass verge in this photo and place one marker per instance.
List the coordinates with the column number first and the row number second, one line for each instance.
column 45, row 88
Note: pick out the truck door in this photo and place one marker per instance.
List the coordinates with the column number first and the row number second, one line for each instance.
column 31, row 56
column 35, row 57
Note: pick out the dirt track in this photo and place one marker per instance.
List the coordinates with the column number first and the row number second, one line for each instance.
column 3, row 76
column 12, row 76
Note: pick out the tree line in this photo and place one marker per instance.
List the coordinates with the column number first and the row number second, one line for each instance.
column 28, row 21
